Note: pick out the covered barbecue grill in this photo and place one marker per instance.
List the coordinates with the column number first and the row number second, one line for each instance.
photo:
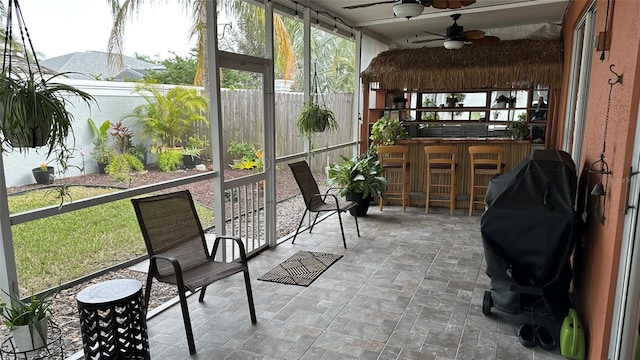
column 528, row 230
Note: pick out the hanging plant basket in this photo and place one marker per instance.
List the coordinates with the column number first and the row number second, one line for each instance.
column 33, row 107
column 315, row 117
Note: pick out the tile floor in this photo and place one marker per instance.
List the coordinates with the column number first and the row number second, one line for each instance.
column 410, row 288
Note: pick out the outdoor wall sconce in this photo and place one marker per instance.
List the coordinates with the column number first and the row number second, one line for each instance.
column 600, row 166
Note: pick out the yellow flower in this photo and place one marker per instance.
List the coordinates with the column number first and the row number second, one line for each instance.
column 259, row 154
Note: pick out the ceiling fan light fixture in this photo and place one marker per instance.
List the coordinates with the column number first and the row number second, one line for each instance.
column 453, row 44
column 408, row 10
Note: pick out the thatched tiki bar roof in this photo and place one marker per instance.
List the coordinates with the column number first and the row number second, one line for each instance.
column 475, row 66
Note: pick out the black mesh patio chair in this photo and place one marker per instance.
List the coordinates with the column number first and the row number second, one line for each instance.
column 178, row 252
column 316, row 202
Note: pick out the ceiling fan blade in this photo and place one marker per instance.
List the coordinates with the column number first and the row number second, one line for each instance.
column 450, row 4
column 367, row 5
column 473, row 34
column 486, row 40
column 432, row 33
column 425, row 41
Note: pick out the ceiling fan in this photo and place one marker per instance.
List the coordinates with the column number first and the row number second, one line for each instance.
column 456, row 37
column 411, row 8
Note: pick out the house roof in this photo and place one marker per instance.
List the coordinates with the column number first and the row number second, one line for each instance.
column 95, row 65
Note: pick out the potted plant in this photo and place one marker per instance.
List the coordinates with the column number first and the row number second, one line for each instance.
column 33, row 109
column 503, row 100
column 102, row 153
column 192, row 152
column 43, row 174
column 28, row 321
column 452, row 100
column 399, row 102
column 241, row 150
column 386, row 131
column 358, row 179
column 315, row 118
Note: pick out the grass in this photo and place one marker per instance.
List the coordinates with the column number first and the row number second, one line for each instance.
column 64, row 247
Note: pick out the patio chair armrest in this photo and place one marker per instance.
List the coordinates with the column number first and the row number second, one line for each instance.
column 177, row 269
column 243, row 255
column 332, row 196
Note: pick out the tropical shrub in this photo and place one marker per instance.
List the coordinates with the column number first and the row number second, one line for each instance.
column 169, row 161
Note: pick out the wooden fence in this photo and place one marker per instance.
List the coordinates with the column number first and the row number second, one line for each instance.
column 242, row 115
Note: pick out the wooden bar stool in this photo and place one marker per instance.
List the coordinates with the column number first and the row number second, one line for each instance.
column 441, row 160
column 484, row 160
column 395, row 168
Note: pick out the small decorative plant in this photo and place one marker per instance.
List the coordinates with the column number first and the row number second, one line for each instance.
column 386, row 131
column 31, row 316
column 315, row 118
column 102, row 153
column 169, row 161
column 399, row 102
column 241, row 149
column 121, row 165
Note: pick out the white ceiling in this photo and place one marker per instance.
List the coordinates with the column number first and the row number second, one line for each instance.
column 507, row 19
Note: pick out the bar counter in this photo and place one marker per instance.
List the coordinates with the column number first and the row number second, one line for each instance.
column 514, row 152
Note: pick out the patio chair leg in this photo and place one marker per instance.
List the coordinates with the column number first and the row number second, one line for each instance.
column 247, row 284
column 314, row 222
column 187, row 322
column 298, row 229
column 344, row 241
column 202, row 291
column 147, row 291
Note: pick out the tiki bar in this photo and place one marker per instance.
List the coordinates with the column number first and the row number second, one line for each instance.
column 499, row 95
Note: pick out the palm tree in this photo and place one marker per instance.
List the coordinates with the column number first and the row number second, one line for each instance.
column 250, row 14
column 167, row 116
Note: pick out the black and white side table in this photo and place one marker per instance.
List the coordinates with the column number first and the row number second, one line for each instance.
column 113, row 320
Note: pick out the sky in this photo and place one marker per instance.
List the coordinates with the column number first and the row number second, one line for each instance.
column 59, row 27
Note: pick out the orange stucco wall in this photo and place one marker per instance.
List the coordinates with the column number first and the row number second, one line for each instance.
column 596, row 257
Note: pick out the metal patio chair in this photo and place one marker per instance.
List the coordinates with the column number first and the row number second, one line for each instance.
column 317, row 202
column 178, row 252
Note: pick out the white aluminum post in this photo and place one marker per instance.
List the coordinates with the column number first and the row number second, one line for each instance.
column 8, row 272
column 269, row 134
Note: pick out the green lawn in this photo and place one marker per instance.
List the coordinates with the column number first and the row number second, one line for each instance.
column 68, row 246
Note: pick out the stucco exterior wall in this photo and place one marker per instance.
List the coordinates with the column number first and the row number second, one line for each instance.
column 596, row 258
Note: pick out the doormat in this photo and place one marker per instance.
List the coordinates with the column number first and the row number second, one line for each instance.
column 301, row 269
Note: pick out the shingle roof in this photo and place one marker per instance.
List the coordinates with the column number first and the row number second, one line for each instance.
column 94, row 65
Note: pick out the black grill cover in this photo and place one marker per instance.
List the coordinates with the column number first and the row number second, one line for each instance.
column 528, row 232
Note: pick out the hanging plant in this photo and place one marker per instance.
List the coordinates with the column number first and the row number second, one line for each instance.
column 315, row 116
column 33, row 107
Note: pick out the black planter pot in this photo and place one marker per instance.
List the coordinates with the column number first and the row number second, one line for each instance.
column 190, row 161
column 363, row 204
column 43, row 177
column 101, row 167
